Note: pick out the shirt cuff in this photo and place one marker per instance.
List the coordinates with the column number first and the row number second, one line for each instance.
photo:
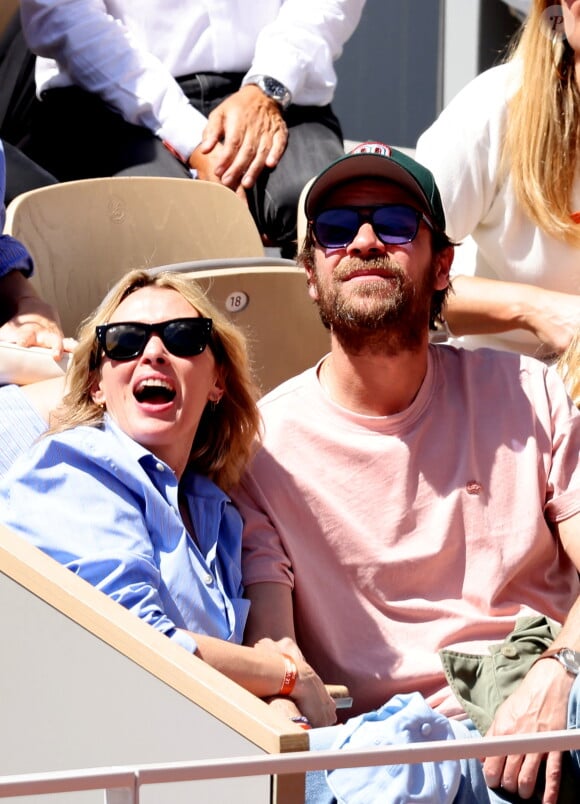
column 14, row 257
column 183, row 132
column 184, row 639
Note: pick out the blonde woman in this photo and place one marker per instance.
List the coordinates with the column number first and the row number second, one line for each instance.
column 504, row 154
column 129, row 486
column 568, row 366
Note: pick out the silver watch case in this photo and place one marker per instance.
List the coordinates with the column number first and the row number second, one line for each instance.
column 570, row 659
column 273, row 89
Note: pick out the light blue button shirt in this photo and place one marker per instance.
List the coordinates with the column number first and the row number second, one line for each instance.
column 107, row 508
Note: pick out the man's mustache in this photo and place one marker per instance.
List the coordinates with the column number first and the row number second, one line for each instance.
column 356, row 264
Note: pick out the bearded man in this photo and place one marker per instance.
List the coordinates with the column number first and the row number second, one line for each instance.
column 412, row 503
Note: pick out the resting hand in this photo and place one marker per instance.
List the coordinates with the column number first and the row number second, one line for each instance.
column 309, row 694
column 244, row 134
column 36, row 323
column 552, row 316
column 205, row 166
column 539, row 704
column 284, row 645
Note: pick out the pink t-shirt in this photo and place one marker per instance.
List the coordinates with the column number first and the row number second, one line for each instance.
column 403, row 534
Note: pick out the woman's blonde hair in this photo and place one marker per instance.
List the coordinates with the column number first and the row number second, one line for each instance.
column 225, row 436
column 568, row 366
column 541, row 137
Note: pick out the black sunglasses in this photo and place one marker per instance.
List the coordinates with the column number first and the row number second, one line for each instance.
column 393, row 224
column 183, row 337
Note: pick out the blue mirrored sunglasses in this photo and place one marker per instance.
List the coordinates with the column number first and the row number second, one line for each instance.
column 393, row 224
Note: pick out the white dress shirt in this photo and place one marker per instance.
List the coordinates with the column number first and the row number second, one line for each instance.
column 129, row 51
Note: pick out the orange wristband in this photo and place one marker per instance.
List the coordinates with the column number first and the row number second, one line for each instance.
column 290, row 675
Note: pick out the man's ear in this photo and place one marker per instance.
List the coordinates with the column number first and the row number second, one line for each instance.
column 443, row 262
column 311, row 283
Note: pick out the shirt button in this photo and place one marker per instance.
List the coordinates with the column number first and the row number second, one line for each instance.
column 426, row 729
column 159, row 467
column 208, row 580
column 510, row 651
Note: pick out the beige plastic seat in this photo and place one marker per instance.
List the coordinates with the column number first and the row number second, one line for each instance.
column 84, row 235
column 270, row 303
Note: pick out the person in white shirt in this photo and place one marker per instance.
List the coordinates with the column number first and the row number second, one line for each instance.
column 504, row 155
column 238, row 93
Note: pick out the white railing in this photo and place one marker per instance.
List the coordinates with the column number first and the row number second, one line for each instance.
column 122, row 784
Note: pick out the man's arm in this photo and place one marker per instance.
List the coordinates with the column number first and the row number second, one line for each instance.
column 271, row 614
column 541, row 701
column 271, row 619
column 103, row 57
column 247, row 132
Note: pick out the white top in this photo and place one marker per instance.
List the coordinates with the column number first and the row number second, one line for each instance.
column 462, row 149
column 129, row 52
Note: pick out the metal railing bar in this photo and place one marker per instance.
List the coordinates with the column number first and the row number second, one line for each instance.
column 296, row 762
column 71, row 781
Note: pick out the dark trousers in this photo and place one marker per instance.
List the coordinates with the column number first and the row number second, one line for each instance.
column 75, row 135
column 17, row 100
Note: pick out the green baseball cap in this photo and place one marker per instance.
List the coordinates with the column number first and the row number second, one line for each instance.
column 379, row 161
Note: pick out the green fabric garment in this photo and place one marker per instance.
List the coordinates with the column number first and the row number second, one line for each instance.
column 482, row 683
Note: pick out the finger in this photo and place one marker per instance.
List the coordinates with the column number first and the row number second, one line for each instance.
column 241, row 193
column 246, row 154
column 553, row 778
column 50, row 340
column 528, row 775
column 511, row 773
column 254, row 169
column 268, row 154
column 493, row 770
column 232, row 149
column 69, row 344
column 279, row 142
column 213, row 132
column 24, row 336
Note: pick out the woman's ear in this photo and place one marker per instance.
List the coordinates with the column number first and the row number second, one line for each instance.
column 97, row 394
column 218, row 389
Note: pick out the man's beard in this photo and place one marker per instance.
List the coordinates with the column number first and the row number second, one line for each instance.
column 381, row 315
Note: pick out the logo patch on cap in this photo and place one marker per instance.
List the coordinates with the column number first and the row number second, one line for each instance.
column 378, row 148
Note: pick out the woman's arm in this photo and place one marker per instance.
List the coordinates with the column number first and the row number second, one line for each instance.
column 478, row 306
column 105, row 57
column 262, row 672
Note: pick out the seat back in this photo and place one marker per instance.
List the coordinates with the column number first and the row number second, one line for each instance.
column 84, row 235
column 270, row 303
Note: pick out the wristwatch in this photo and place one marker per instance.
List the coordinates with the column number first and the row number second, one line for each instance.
column 272, row 88
column 568, row 658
